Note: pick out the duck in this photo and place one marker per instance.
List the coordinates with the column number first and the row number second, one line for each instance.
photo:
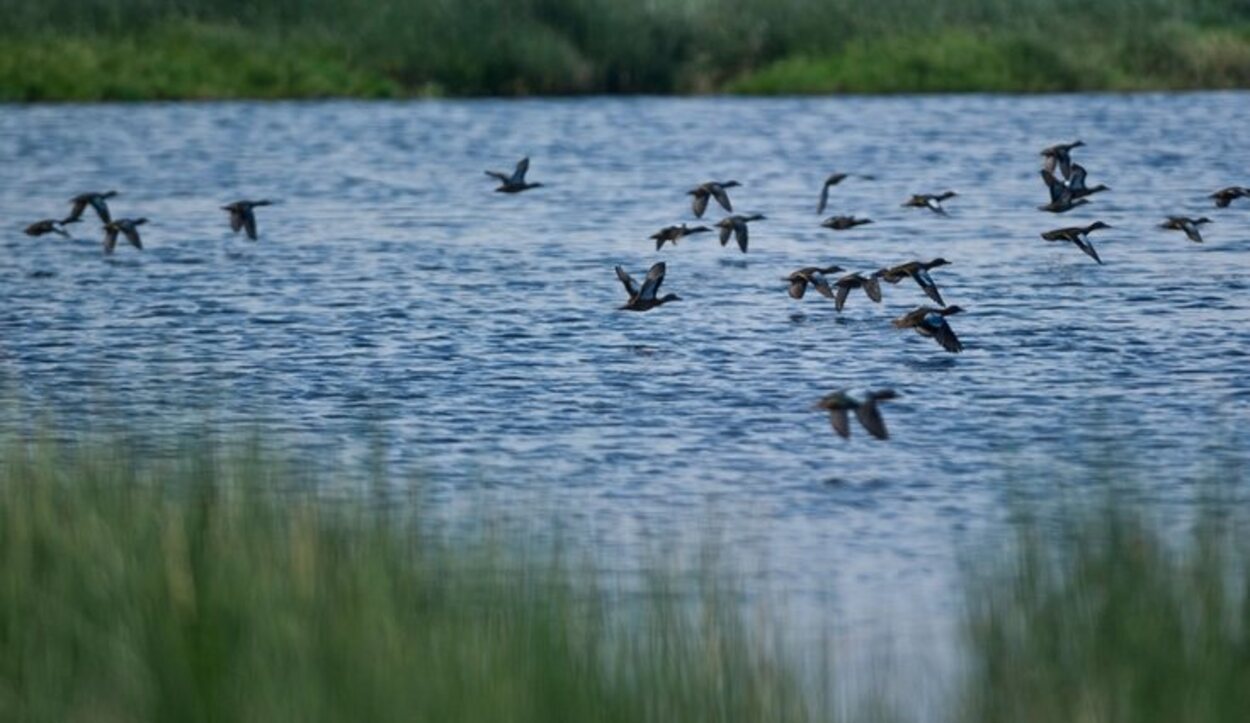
column 1060, row 154
column 931, row 322
column 931, row 201
column 1061, row 198
column 516, row 182
column 918, row 271
column 864, row 404
column 48, row 225
column 842, row 223
column 813, row 275
column 644, row 298
column 243, row 217
column 126, row 226
column 1225, row 196
column 870, row 284
column 711, row 189
column 1186, row 224
column 96, row 200
column 833, row 180
column 1078, row 235
column 736, row 225
column 1076, row 183
column 672, row 234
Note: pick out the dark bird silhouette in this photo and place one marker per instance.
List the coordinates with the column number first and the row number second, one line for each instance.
column 242, row 216
column 1188, row 225
column 516, row 182
column 931, row 322
column 1225, row 196
column 1060, row 154
column 833, row 180
column 870, row 284
column 48, row 225
column 644, row 298
column 1076, row 183
column 711, row 189
column 813, row 275
column 931, row 201
column 864, row 404
column 1061, row 198
column 918, row 271
column 842, row 223
column 672, row 234
column 737, row 226
column 93, row 199
column 1078, row 235
column 127, row 227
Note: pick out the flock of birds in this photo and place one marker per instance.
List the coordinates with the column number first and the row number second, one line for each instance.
column 931, row 321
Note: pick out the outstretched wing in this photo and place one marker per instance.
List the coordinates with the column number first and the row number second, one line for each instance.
column 741, row 234
column 75, row 213
column 844, row 290
column 627, row 281
column 522, row 167
column 1056, row 188
column 824, row 198
column 798, row 287
column 1085, row 245
column 934, row 205
column 872, row 287
column 699, row 203
column 943, row 333
column 236, row 220
column 501, row 177
column 1191, row 230
column 870, row 416
column 928, row 286
column 822, row 285
column 651, row 285
column 249, row 223
column 101, row 208
column 132, row 235
column 1077, row 180
column 722, row 198
column 725, row 231
column 841, row 425
column 110, row 239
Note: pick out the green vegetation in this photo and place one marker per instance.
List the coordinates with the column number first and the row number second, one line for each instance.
column 128, row 49
column 217, row 585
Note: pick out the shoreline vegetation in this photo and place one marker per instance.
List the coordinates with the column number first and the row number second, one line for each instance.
column 214, row 583
column 100, row 50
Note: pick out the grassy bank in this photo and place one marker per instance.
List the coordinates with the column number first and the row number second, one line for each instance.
column 210, row 587
column 131, row 49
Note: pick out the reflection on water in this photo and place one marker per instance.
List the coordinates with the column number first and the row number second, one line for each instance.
column 393, row 294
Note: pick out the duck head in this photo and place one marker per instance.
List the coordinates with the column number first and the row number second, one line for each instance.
column 953, row 310
column 667, row 298
column 1097, row 225
column 939, row 261
column 730, row 184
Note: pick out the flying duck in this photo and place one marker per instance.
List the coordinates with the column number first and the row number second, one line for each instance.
column 672, row 234
column 711, row 189
column 931, row 322
column 931, row 201
column 1225, row 196
column 813, row 275
column 644, row 299
column 243, row 217
column 1076, row 183
column 864, row 404
column 870, row 284
column 919, row 271
column 1078, row 235
column 1060, row 154
column 736, row 225
column 95, row 200
column 1188, row 225
column 842, row 223
column 516, row 182
column 1061, row 197
column 833, row 180
column 48, row 225
column 128, row 227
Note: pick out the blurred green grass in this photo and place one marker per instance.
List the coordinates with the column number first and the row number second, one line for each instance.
column 129, row 49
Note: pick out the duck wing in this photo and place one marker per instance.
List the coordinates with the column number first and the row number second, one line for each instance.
column 741, row 234
column 943, row 333
column 75, row 213
column 1191, row 230
column 651, row 284
column 1048, row 164
column 934, row 205
column 501, row 177
column 132, row 235
column 1054, row 185
column 798, row 286
column 927, row 285
column 699, row 203
column 101, row 209
column 1076, row 181
column 839, row 301
column 872, row 287
column 1083, row 243
column 236, row 220
column 725, row 230
column 110, row 239
column 249, row 223
column 722, row 198
column 824, row 198
column 522, row 167
column 870, row 416
column 840, row 422
column 628, row 282
column 822, row 285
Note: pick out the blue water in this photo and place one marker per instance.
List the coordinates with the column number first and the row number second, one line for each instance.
column 393, row 296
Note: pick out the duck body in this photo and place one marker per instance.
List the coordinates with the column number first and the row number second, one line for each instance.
column 645, row 297
column 47, row 226
column 1060, row 155
column 813, row 275
column 711, row 189
column 126, row 227
column 918, row 271
column 672, row 234
column 864, row 404
column 514, row 183
column 1079, row 236
column 870, row 284
column 1186, row 224
column 842, row 223
column 931, row 201
column 98, row 201
column 1062, row 199
column 736, row 225
column 243, row 216
column 931, row 322
column 1226, row 196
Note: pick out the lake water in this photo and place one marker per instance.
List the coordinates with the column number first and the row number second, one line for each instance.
column 394, row 296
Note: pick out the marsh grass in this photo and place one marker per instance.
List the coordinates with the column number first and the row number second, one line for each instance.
column 127, row 49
